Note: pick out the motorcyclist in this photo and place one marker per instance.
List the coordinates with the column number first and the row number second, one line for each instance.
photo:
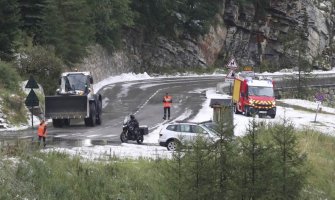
column 133, row 125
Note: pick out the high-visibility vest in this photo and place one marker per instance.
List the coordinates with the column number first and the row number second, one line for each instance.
column 167, row 100
column 40, row 130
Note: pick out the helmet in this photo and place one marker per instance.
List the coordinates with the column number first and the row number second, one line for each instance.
column 132, row 117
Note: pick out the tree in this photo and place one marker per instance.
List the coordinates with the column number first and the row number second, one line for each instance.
column 9, row 28
column 288, row 172
column 9, row 78
column 109, row 16
column 226, row 162
column 66, row 26
column 31, row 17
column 197, row 15
column 191, row 17
column 43, row 64
column 254, row 175
column 295, row 51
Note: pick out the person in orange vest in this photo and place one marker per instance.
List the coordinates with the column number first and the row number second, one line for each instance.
column 167, row 101
column 42, row 132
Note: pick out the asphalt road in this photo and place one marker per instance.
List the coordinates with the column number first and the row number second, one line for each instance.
column 142, row 98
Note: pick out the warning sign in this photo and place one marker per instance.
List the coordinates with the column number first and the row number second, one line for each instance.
column 231, row 74
column 232, row 64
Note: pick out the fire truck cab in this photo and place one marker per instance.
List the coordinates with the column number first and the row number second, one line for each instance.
column 254, row 95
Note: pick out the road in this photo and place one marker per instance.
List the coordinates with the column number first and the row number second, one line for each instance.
column 142, row 98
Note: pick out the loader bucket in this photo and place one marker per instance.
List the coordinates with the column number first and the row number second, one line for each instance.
column 66, row 107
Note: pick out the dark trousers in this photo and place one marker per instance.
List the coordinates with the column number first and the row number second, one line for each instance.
column 166, row 109
column 39, row 140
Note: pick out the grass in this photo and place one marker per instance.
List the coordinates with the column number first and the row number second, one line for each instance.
column 13, row 106
column 320, row 149
column 28, row 173
column 302, row 108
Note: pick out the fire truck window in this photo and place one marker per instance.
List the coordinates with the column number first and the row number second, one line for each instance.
column 261, row 91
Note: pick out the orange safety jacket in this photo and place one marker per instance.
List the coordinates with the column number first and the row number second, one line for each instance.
column 42, row 130
column 167, row 100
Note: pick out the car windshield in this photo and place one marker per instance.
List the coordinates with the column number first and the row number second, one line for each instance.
column 77, row 81
column 260, row 91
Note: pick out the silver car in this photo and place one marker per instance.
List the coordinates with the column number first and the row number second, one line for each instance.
column 173, row 134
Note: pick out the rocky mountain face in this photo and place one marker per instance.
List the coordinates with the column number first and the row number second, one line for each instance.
column 241, row 31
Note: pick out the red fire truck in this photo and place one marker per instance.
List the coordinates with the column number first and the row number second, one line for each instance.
column 253, row 95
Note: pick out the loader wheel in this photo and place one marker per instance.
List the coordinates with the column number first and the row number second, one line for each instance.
column 57, row 123
column 92, row 119
column 98, row 119
column 67, row 122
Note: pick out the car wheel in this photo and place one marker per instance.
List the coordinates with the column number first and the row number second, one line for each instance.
column 173, row 145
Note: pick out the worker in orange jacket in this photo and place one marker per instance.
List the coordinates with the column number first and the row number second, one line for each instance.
column 42, row 132
column 167, row 101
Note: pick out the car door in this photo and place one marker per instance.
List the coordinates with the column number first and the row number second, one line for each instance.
column 186, row 134
column 198, row 131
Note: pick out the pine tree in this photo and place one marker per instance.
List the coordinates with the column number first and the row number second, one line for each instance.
column 199, row 178
column 9, row 28
column 197, row 15
column 289, row 172
column 109, row 17
column 225, row 167
column 66, row 27
column 254, row 179
column 295, row 51
column 31, row 17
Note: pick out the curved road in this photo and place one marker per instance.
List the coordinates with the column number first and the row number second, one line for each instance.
column 142, row 98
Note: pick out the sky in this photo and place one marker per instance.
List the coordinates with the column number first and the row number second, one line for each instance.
column 324, row 123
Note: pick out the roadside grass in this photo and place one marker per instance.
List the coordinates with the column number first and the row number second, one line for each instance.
column 13, row 107
column 302, row 108
column 55, row 175
column 28, row 173
column 320, row 149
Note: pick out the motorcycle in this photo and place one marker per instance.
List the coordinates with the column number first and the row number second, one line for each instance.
column 131, row 133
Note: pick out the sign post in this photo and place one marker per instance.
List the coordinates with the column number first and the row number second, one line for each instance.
column 232, row 65
column 32, row 99
column 319, row 97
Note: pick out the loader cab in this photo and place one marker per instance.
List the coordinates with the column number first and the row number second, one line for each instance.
column 75, row 82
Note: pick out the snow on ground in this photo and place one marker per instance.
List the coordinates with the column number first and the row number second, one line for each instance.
column 150, row 149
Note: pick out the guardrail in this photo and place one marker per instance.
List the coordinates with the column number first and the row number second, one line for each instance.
column 290, row 81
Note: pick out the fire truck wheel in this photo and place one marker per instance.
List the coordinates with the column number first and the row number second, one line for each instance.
column 246, row 111
column 236, row 110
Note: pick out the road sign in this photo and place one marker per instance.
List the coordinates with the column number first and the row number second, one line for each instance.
column 319, row 97
column 32, row 99
column 232, row 64
column 31, row 83
column 231, row 74
column 228, row 80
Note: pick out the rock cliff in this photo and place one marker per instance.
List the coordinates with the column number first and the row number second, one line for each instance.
column 252, row 35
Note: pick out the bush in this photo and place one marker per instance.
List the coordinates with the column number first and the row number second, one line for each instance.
column 43, row 64
column 13, row 107
column 9, row 78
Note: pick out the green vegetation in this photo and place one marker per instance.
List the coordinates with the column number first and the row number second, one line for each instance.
column 43, row 64
column 271, row 162
column 43, row 37
column 11, row 94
